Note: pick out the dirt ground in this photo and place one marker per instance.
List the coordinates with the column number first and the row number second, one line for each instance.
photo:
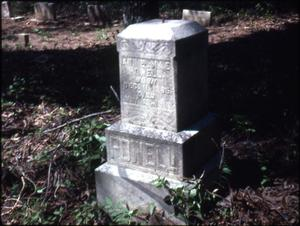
column 77, row 32
column 69, row 70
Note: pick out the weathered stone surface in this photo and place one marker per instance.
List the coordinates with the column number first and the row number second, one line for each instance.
column 6, row 10
column 202, row 17
column 171, row 154
column 135, row 188
column 45, row 11
column 17, row 18
column 163, row 74
column 92, row 11
column 112, row 179
column 165, row 129
column 24, row 39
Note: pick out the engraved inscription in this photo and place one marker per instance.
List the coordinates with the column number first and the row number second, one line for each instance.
column 136, row 157
column 136, row 152
column 164, row 159
column 115, row 146
column 150, row 155
column 146, row 47
column 125, row 155
column 147, row 92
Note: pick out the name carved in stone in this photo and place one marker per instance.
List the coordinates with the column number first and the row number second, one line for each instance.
column 147, row 92
column 135, row 152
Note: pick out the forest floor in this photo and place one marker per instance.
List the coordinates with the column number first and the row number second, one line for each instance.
column 70, row 70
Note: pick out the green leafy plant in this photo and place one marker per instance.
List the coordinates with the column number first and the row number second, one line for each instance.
column 101, row 34
column 44, row 34
column 226, row 170
column 191, row 200
column 34, row 212
column 264, row 8
column 42, row 157
column 119, row 213
column 87, row 213
column 265, row 178
column 17, row 88
column 87, row 143
column 242, row 124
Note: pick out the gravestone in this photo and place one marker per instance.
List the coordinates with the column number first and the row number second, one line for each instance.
column 23, row 39
column 6, row 10
column 45, row 11
column 17, row 18
column 202, row 17
column 97, row 15
column 165, row 128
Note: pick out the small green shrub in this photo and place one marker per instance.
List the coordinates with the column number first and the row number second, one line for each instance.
column 264, row 8
column 119, row 213
column 265, row 177
column 190, row 201
column 242, row 124
column 42, row 33
column 17, row 88
column 87, row 143
column 87, row 213
column 35, row 212
column 101, row 34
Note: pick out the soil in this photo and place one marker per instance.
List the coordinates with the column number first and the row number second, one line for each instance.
column 66, row 33
column 70, row 68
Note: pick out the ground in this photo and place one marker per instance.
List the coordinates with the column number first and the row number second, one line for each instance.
column 70, row 70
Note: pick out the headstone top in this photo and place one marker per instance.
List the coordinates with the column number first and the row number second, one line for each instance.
column 5, row 9
column 160, row 30
column 201, row 17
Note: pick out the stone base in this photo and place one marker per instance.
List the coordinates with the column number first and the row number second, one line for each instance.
column 129, row 186
column 135, row 188
column 136, row 156
column 170, row 154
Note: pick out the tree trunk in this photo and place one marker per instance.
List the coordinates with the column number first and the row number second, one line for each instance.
column 138, row 11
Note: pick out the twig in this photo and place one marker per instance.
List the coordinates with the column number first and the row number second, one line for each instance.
column 76, row 120
column 31, row 181
column 214, row 194
column 18, row 142
column 115, row 93
column 19, row 197
column 48, row 182
column 10, row 199
column 222, row 155
column 57, row 185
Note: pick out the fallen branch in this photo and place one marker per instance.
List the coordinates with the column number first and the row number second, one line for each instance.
column 48, row 182
column 76, row 120
column 31, row 181
column 18, row 200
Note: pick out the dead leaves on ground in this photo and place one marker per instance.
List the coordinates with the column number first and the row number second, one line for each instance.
column 274, row 205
